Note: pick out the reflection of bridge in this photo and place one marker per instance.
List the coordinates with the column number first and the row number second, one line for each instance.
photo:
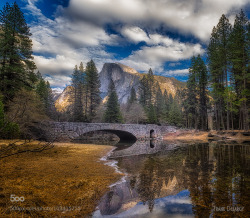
column 144, row 147
column 73, row 130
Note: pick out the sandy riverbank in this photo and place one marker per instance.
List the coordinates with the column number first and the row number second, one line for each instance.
column 66, row 180
column 192, row 135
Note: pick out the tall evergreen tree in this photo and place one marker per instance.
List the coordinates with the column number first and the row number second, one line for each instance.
column 151, row 85
column 159, row 103
column 132, row 97
column 166, row 106
column 147, row 89
column 112, row 113
column 239, row 45
column 218, row 57
column 152, row 117
column 148, row 94
column 16, row 65
column 202, row 88
column 144, row 91
column 192, row 95
column 44, row 91
column 92, row 90
column 77, row 84
column 175, row 113
column 195, row 97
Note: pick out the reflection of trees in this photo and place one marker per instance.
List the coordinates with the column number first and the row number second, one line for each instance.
column 155, row 171
column 225, row 185
column 198, row 171
column 215, row 175
column 148, row 187
column 231, row 187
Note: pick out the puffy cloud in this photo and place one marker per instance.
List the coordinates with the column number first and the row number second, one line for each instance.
column 77, row 33
column 134, row 34
column 179, row 72
column 196, row 17
column 58, row 80
column 61, row 43
column 161, row 49
column 57, row 90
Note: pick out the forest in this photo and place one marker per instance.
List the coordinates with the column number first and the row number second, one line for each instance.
column 218, row 85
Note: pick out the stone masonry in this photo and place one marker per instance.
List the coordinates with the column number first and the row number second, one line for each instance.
column 73, row 130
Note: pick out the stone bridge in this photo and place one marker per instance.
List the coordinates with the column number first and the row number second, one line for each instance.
column 126, row 132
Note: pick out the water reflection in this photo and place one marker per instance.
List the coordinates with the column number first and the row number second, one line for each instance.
column 201, row 180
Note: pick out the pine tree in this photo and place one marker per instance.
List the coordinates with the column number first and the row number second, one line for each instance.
column 175, row 114
column 195, row 97
column 147, row 89
column 151, row 86
column 170, row 99
column 218, row 57
column 81, row 94
column 77, row 84
column 112, row 113
column 132, row 97
column 159, row 103
column 192, row 95
column 144, row 91
column 152, row 118
column 166, row 106
column 8, row 130
column 203, row 96
column 16, row 63
column 92, row 90
column 44, row 91
column 239, row 45
column 148, row 94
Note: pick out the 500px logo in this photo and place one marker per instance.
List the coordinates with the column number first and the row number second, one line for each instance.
column 14, row 198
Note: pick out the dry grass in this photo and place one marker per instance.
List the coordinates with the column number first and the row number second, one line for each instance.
column 191, row 135
column 68, row 175
column 187, row 136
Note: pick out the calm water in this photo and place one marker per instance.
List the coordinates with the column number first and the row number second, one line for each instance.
column 180, row 180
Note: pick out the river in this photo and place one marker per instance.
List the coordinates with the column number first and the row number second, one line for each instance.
column 170, row 179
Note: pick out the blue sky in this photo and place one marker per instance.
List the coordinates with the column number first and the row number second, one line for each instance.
column 161, row 34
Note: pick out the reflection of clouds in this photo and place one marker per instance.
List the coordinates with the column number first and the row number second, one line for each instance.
column 181, row 198
column 179, row 205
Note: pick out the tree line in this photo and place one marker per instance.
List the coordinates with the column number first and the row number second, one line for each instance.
column 25, row 97
column 225, row 81
column 150, row 106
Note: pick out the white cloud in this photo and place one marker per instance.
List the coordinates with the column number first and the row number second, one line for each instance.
column 134, row 34
column 77, row 32
column 179, row 72
column 161, row 49
column 62, row 43
column 194, row 17
column 174, row 64
column 58, row 80
column 57, row 90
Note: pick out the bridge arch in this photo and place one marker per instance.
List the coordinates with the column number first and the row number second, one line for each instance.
column 124, row 136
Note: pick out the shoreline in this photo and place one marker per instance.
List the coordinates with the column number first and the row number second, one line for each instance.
column 212, row 135
column 113, row 164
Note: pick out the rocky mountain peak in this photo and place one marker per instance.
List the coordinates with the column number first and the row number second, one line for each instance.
column 124, row 78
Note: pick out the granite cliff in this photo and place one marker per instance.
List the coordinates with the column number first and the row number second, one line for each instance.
column 124, row 78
